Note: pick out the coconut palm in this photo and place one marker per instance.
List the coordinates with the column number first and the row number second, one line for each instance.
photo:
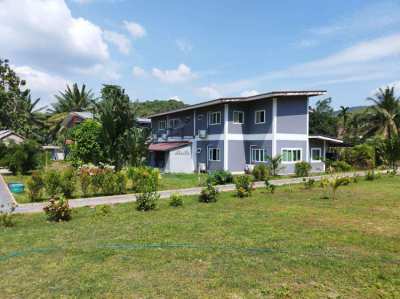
column 384, row 116
column 73, row 100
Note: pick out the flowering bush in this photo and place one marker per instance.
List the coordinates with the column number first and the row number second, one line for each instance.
column 244, row 185
column 209, row 194
column 144, row 179
column 58, row 210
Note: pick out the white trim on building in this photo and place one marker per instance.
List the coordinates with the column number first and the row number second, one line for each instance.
column 226, row 136
column 274, row 125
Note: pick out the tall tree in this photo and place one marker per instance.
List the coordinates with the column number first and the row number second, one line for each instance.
column 124, row 143
column 322, row 118
column 17, row 110
column 384, row 115
column 73, row 99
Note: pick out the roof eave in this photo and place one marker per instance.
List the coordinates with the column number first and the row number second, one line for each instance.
column 308, row 93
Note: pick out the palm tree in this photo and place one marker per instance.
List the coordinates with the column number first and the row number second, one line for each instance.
column 73, row 100
column 385, row 114
column 344, row 115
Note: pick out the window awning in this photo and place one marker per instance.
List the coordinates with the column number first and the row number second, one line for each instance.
column 166, row 146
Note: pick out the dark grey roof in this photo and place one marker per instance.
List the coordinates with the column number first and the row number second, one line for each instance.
column 309, row 93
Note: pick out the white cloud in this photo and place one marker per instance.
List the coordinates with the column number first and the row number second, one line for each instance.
column 249, row 93
column 119, row 40
column 45, row 33
column 210, row 92
column 369, row 60
column 41, row 83
column 83, row 1
column 370, row 18
column 135, row 29
column 176, row 98
column 138, row 72
column 182, row 74
column 184, row 46
column 306, row 43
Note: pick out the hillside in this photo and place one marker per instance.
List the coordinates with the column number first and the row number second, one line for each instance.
column 147, row 108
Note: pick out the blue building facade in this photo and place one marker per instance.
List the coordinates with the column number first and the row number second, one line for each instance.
column 235, row 134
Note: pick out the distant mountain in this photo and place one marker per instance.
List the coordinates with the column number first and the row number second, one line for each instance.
column 148, row 108
column 353, row 109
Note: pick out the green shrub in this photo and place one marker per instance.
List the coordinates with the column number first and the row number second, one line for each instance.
column 87, row 147
column 339, row 166
column 371, row 175
column 120, row 182
column 147, row 201
column 176, row 200
column 103, row 210
column 6, row 220
column 302, row 169
column 244, row 185
column 58, row 210
column 220, row 177
column 85, row 181
column 261, row 172
column 209, row 194
column 23, row 157
column 53, row 183
column 35, row 186
column 68, row 182
column 144, row 179
column 308, row 183
column 361, row 156
column 270, row 187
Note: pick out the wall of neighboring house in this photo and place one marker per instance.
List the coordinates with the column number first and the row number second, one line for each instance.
column 317, row 166
column 12, row 138
column 202, row 154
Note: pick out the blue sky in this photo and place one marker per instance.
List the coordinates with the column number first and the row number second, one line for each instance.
column 199, row 50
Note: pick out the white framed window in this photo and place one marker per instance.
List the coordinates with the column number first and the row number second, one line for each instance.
column 213, row 154
column 257, row 154
column 316, row 154
column 291, row 155
column 162, row 124
column 173, row 123
column 214, row 118
column 259, row 117
column 238, row 117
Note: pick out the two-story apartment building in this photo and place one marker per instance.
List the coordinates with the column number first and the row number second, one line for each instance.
column 235, row 133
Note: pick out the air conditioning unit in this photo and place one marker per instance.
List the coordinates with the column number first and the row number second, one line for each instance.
column 202, row 133
column 155, row 137
column 164, row 136
column 202, row 167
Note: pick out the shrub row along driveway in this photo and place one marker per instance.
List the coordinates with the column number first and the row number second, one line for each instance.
column 124, row 198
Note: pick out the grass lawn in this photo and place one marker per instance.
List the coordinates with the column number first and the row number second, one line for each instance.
column 287, row 245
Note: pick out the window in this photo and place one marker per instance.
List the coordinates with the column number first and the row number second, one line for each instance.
column 257, row 154
column 238, row 117
column 214, row 118
column 316, row 154
column 213, row 154
column 291, row 155
column 162, row 124
column 173, row 123
column 260, row 116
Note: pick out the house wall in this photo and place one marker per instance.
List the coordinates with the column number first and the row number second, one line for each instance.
column 292, row 115
column 180, row 160
column 202, row 157
column 291, row 119
column 288, row 168
column 317, row 166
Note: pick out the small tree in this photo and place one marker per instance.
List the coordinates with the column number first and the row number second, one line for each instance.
column 87, row 147
column 392, row 151
column 274, row 164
